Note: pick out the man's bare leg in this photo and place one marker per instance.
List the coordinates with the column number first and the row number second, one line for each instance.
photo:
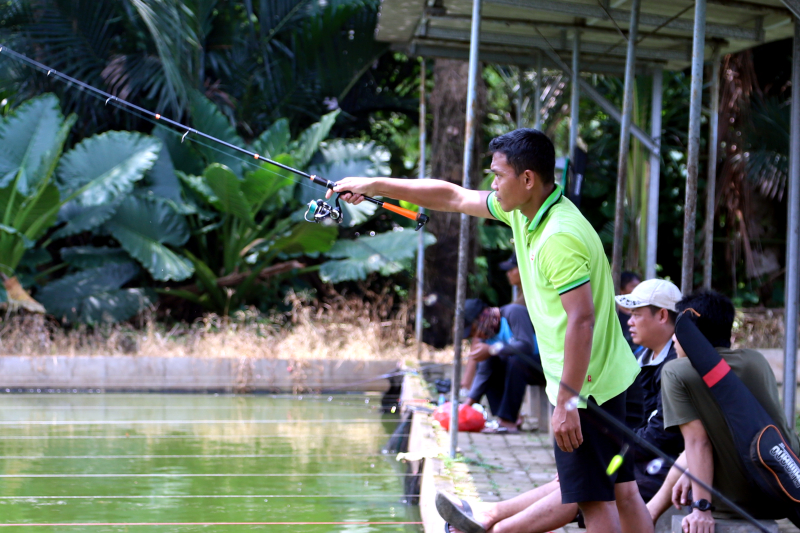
column 663, row 498
column 601, row 517
column 544, row 515
column 531, row 512
column 633, row 514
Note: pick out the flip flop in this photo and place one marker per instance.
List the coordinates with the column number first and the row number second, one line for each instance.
column 457, row 512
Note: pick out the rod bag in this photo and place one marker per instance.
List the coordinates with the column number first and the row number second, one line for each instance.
column 768, row 459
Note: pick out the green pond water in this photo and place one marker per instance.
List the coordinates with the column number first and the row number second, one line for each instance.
column 153, row 462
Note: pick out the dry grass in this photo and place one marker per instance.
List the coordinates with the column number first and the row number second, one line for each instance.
column 349, row 329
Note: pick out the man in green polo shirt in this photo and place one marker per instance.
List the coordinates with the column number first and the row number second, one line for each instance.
column 569, row 294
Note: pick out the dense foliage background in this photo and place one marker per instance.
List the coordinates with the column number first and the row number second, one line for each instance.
column 103, row 213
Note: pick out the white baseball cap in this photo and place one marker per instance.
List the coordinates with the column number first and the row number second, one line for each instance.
column 657, row 292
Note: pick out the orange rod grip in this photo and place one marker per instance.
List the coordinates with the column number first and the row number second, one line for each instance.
column 408, row 213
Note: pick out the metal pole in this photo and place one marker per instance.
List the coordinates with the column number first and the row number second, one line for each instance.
column 576, row 93
column 537, row 93
column 690, row 205
column 655, row 176
column 463, row 237
column 793, row 239
column 518, row 98
column 421, row 241
column 624, row 145
column 607, row 106
column 711, row 183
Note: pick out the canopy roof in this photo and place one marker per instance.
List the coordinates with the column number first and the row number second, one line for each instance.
column 512, row 30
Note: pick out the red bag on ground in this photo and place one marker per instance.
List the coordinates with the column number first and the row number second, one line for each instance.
column 469, row 419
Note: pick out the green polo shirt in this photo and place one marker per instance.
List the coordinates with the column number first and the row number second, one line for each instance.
column 557, row 252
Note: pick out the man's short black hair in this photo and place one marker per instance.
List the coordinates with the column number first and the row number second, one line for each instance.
column 527, row 149
column 716, row 315
column 628, row 276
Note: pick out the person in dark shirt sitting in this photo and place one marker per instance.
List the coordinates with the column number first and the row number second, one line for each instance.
column 503, row 358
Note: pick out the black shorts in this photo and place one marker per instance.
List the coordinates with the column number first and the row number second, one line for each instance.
column 582, row 472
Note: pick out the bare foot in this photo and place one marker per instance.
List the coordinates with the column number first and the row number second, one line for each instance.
column 483, row 513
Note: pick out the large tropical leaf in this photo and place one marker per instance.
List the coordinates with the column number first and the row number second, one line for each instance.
column 26, row 138
column 184, row 158
column 228, row 191
column 162, row 181
column 37, row 213
column 387, row 253
column 307, row 144
column 94, row 295
column 143, row 227
column 83, row 257
column 269, row 184
column 274, row 140
column 80, row 218
column 109, row 164
column 340, row 159
column 207, row 118
column 305, row 238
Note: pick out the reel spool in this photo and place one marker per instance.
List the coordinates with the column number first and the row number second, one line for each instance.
column 320, row 211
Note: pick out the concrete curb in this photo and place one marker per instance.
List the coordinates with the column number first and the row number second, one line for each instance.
column 428, row 440
column 189, row 374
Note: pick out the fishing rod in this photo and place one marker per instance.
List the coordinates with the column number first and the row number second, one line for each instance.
column 320, row 210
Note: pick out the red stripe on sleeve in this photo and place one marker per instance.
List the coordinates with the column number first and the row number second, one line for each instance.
column 713, row 376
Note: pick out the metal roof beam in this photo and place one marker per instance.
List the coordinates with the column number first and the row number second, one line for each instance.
column 509, row 56
column 724, row 31
column 450, row 34
column 610, row 108
column 439, row 18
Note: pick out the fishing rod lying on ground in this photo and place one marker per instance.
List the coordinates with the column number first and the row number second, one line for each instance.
column 319, row 209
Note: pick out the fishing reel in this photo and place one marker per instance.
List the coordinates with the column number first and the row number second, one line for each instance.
column 320, row 211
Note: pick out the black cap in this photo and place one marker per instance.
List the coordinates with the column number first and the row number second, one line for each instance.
column 472, row 310
column 509, row 263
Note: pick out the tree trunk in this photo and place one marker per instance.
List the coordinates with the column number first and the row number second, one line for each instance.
column 448, row 104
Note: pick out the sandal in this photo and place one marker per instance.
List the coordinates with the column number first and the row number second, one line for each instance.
column 457, row 512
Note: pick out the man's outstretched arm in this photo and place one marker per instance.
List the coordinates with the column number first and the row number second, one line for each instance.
column 437, row 195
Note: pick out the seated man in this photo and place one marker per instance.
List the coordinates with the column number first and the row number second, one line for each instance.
column 652, row 324
column 501, row 376
column 511, row 268
column 689, row 405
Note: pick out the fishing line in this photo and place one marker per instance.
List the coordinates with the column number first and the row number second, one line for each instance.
column 162, row 436
column 131, row 524
column 212, row 496
column 209, row 456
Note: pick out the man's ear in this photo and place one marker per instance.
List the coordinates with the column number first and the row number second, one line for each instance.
column 530, row 178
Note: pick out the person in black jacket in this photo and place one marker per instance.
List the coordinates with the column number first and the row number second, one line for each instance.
column 504, row 359
column 652, row 323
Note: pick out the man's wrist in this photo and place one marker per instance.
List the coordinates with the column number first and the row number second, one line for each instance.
column 702, row 505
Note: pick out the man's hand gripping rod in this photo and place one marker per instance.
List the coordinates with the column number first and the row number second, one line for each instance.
column 323, row 210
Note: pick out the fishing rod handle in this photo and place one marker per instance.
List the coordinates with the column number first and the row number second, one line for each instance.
column 420, row 218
